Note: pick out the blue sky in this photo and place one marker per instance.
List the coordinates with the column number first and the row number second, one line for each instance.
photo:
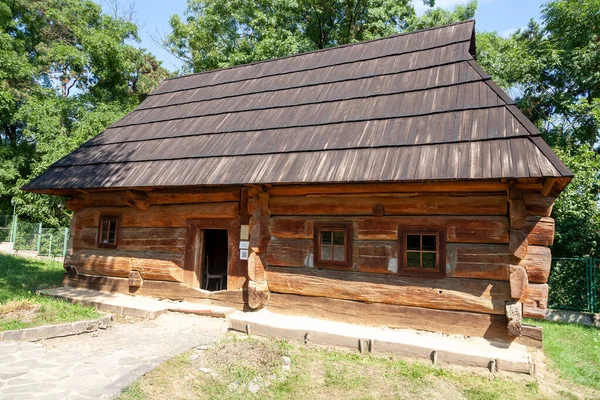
column 503, row 16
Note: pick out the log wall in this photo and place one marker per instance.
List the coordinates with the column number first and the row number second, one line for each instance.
column 152, row 236
column 479, row 255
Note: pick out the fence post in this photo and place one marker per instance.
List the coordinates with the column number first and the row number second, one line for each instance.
column 65, row 240
column 14, row 232
column 50, row 247
column 593, row 286
column 39, row 239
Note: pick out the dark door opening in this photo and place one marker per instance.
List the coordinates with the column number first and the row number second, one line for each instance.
column 216, row 256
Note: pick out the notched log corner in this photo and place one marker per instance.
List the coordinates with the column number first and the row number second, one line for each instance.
column 518, row 281
column 135, row 279
column 514, row 318
column 258, row 294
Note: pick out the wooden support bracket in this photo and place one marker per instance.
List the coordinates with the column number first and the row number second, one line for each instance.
column 514, row 317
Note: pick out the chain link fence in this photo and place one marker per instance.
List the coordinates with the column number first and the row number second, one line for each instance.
column 32, row 239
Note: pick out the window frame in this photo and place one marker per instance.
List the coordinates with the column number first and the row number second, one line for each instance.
column 332, row 264
column 117, row 219
column 441, row 234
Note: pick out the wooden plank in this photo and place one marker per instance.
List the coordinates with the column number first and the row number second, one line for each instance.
column 108, row 262
column 163, row 216
column 540, row 230
column 518, row 213
column 162, row 290
column 119, row 198
column 290, row 253
column 537, row 204
column 514, row 316
column 414, row 205
column 478, row 261
column 460, row 229
column 491, row 327
column 376, row 256
column 449, row 293
column 168, row 240
column 465, row 186
column 537, row 262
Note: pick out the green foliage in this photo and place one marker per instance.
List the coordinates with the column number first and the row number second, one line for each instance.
column 551, row 68
column 67, row 72
column 221, row 33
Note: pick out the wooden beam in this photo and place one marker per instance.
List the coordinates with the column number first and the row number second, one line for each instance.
column 258, row 208
column 514, row 317
column 137, row 199
column 135, row 279
column 518, row 281
column 517, row 243
column 75, row 204
column 449, row 293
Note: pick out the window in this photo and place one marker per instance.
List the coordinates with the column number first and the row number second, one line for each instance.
column 108, row 233
column 333, row 246
column 422, row 251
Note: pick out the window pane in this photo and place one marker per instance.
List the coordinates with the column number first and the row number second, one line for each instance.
column 413, row 259
column 326, row 253
column 429, row 260
column 338, row 237
column 429, row 242
column 413, row 242
column 339, row 253
column 111, row 237
column 325, row 237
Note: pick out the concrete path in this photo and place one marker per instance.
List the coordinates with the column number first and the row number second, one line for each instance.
column 99, row 366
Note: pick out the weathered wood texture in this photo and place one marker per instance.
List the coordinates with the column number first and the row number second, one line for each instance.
column 491, row 327
column 514, row 317
column 260, row 236
column 159, row 196
column 108, row 262
column 393, row 205
column 449, row 294
column 170, row 240
column 166, row 216
column 460, row 229
column 159, row 289
column 535, row 301
column 537, row 204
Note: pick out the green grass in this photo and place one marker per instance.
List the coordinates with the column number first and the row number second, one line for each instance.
column 19, row 279
column 320, row 373
column 574, row 350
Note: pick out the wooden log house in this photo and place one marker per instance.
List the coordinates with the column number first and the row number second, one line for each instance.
column 388, row 182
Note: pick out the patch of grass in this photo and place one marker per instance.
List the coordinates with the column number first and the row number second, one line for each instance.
column 574, row 350
column 318, row 373
column 21, row 307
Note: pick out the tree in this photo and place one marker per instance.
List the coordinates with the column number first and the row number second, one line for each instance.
column 67, row 71
column 551, row 68
column 221, row 33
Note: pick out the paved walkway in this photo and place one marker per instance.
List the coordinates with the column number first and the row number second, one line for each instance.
column 99, row 366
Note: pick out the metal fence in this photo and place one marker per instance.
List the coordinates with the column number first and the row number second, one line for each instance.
column 575, row 284
column 31, row 239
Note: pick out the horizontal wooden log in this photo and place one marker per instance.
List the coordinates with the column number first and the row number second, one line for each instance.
column 379, row 257
column 478, row 261
column 290, row 253
column 537, row 204
column 440, row 187
column 517, row 243
column 537, row 262
column 518, row 281
column 540, row 231
column 491, row 327
column 167, row 240
column 448, row 294
column 423, row 205
column 121, row 198
column 460, row 229
column 153, row 266
column 535, row 300
column 160, row 216
column 162, row 290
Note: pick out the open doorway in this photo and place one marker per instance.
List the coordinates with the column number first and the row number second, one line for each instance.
column 215, row 255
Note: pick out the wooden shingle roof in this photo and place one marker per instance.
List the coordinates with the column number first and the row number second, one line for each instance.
column 409, row 107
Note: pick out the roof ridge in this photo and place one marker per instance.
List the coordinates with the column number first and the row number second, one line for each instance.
column 321, row 50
